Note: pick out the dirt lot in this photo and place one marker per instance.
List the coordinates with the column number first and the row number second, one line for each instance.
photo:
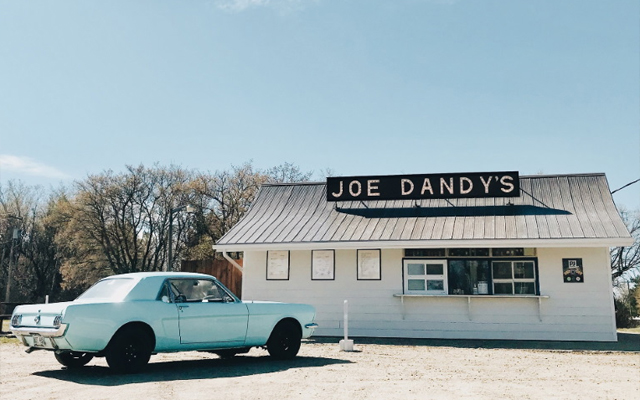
column 378, row 369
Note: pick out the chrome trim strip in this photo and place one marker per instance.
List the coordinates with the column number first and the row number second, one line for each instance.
column 46, row 332
column 310, row 326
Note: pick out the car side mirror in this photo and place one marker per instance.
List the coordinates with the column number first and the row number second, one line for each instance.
column 165, row 299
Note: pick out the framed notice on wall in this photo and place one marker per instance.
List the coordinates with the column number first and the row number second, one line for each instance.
column 323, row 265
column 572, row 270
column 278, row 265
column 369, row 265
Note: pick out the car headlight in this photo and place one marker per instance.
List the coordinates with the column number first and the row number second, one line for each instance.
column 16, row 320
column 57, row 321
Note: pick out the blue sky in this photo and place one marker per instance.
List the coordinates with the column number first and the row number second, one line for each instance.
column 360, row 87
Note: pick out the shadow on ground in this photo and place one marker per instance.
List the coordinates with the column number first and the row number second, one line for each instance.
column 167, row 371
column 626, row 342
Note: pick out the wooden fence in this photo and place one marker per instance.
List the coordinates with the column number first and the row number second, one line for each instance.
column 226, row 273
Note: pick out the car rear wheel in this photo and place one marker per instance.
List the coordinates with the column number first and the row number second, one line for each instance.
column 284, row 342
column 129, row 350
column 73, row 359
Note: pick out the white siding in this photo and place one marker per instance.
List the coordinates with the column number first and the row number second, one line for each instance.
column 573, row 311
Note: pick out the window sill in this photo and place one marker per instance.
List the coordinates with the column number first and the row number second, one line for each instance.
column 474, row 296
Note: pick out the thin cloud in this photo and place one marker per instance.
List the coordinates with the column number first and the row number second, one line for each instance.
column 26, row 165
column 242, row 5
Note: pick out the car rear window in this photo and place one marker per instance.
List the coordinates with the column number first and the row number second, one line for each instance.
column 113, row 289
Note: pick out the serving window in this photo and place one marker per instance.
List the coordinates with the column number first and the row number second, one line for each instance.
column 467, row 276
column 428, row 276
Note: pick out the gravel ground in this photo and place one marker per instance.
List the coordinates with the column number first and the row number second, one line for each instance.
column 378, row 369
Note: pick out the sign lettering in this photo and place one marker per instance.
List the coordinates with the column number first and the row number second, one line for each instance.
column 427, row 186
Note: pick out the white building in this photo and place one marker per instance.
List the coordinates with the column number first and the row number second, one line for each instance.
column 532, row 267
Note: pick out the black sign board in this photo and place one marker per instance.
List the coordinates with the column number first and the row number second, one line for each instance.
column 429, row 186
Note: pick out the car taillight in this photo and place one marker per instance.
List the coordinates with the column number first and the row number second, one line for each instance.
column 16, row 320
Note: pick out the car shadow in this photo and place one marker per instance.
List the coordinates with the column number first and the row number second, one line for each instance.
column 626, row 342
column 177, row 370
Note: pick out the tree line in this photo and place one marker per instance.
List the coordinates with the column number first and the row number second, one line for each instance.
column 61, row 242
column 58, row 243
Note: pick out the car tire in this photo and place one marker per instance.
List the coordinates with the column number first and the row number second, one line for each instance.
column 73, row 359
column 284, row 342
column 128, row 351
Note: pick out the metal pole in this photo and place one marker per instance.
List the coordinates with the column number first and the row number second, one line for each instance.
column 7, row 294
column 170, row 256
column 346, row 320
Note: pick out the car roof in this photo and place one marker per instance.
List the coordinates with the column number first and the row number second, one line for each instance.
column 161, row 274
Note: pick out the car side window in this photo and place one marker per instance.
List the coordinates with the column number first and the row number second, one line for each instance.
column 198, row 290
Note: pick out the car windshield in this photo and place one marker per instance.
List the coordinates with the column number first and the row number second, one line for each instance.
column 109, row 289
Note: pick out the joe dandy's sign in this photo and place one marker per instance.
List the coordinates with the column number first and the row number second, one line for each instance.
column 429, row 186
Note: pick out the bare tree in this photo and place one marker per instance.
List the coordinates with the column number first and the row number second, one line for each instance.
column 221, row 199
column 118, row 223
column 31, row 256
column 626, row 260
column 287, row 173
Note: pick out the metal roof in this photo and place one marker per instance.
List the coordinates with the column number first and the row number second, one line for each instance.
column 552, row 210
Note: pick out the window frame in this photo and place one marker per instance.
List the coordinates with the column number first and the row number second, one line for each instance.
column 491, row 281
column 425, row 276
column 513, row 280
column 174, row 292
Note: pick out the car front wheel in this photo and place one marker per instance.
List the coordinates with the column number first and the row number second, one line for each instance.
column 129, row 350
column 284, row 341
column 72, row 359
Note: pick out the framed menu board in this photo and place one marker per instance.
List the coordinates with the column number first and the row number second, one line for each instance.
column 323, row 265
column 278, row 265
column 369, row 265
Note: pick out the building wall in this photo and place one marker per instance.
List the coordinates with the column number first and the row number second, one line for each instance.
column 573, row 311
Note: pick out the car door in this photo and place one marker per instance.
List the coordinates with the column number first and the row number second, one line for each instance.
column 208, row 314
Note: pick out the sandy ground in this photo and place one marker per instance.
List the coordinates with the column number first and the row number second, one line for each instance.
column 376, row 370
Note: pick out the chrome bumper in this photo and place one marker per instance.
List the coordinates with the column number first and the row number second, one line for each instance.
column 45, row 332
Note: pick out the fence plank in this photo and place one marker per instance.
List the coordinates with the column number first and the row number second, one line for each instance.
column 221, row 269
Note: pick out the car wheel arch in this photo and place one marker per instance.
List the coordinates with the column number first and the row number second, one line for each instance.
column 288, row 321
column 137, row 325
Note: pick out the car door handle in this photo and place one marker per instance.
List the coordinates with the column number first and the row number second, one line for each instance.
column 181, row 307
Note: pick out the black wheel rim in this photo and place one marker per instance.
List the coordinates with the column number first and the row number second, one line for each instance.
column 132, row 352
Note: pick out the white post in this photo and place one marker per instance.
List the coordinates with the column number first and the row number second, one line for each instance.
column 346, row 344
column 46, row 299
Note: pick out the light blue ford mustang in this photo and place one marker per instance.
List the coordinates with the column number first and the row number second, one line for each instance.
column 127, row 318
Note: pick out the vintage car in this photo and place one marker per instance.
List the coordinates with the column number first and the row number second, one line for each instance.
column 127, row 318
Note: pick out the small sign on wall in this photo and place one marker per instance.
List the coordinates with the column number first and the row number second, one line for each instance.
column 278, row 265
column 572, row 270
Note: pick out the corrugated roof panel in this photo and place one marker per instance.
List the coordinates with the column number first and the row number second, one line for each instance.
column 293, row 214
column 255, row 215
column 280, row 213
column 590, row 207
column 606, row 229
column 577, row 196
column 311, row 217
column 501, row 228
column 563, row 207
column 610, row 207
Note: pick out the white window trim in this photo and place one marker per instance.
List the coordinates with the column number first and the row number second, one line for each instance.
column 426, row 277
